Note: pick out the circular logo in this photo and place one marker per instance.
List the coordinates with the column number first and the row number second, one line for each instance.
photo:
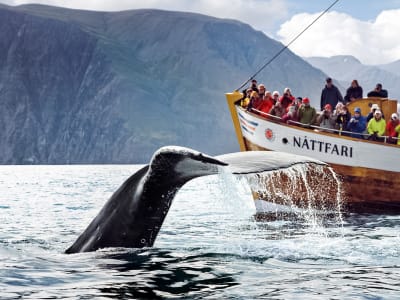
column 269, row 134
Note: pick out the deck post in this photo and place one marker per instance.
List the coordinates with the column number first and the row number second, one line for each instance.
column 231, row 98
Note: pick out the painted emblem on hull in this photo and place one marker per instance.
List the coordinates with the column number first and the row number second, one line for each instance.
column 269, row 134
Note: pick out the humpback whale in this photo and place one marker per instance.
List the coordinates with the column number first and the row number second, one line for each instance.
column 134, row 214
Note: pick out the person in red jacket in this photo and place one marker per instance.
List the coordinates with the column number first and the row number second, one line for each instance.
column 391, row 128
column 266, row 104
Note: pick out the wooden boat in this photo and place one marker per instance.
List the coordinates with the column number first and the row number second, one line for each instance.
column 370, row 171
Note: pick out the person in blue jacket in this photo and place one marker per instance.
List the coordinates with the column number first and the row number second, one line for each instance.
column 357, row 124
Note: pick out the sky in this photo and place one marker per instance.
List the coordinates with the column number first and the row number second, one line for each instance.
column 366, row 29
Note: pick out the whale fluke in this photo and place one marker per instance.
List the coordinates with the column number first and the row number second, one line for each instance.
column 133, row 216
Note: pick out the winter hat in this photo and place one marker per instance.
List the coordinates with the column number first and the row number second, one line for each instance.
column 377, row 112
column 357, row 110
column 306, row 100
column 394, row 116
column 375, row 106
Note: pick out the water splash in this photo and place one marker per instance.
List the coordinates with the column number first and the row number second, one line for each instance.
column 307, row 196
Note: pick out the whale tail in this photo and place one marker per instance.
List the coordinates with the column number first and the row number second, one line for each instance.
column 134, row 214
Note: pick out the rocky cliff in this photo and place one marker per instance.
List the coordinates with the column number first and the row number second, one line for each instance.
column 96, row 87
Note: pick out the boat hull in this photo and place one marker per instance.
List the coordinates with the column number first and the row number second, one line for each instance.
column 364, row 190
column 369, row 171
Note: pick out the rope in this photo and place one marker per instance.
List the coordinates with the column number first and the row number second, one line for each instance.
column 287, row 46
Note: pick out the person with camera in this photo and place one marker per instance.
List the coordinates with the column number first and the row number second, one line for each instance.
column 326, row 119
column 357, row 124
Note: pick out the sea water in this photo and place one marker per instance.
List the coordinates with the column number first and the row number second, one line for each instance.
column 210, row 246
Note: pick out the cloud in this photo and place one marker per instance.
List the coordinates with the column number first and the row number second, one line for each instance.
column 261, row 14
column 372, row 42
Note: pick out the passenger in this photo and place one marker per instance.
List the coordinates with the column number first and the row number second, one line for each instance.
column 378, row 92
column 246, row 99
column 289, row 93
column 268, row 95
column 255, row 101
column 267, row 103
column 355, row 91
column 307, row 113
column 261, row 91
column 253, row 85
column 357, row 124
column 374, row 107
column 376, row 127
column 275, row 96
column 291, row 115
column 391, row 129
column 330, row 94
column 326, row 119
column 342, row 116
column 286, row 100
column 298, row 101
column 277, row 110
column 398, row 136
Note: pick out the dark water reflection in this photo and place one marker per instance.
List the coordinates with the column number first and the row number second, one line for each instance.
column 158, row 274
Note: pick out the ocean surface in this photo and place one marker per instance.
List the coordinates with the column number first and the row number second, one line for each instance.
column 211, row 246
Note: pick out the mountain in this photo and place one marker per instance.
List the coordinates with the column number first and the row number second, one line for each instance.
column 393, row 67
column 112, row 87
column 346, row 68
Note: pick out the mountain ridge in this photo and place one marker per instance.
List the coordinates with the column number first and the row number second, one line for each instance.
column 114, row 87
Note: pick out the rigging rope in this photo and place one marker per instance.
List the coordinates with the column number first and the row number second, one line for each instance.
column 287, row 46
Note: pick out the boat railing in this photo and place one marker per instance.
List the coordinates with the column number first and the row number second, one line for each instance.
column 365, row 136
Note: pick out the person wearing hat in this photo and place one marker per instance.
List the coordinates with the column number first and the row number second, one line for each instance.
column 391, row 128
column 374, row 107
column 326, row 119
column 357, row 124
column 307, row 113
column 275, row 96
column 253, row 85
column 330, row 94
column 378, row 92
column 342, row 116
column 261, row 91
column 376, row 126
